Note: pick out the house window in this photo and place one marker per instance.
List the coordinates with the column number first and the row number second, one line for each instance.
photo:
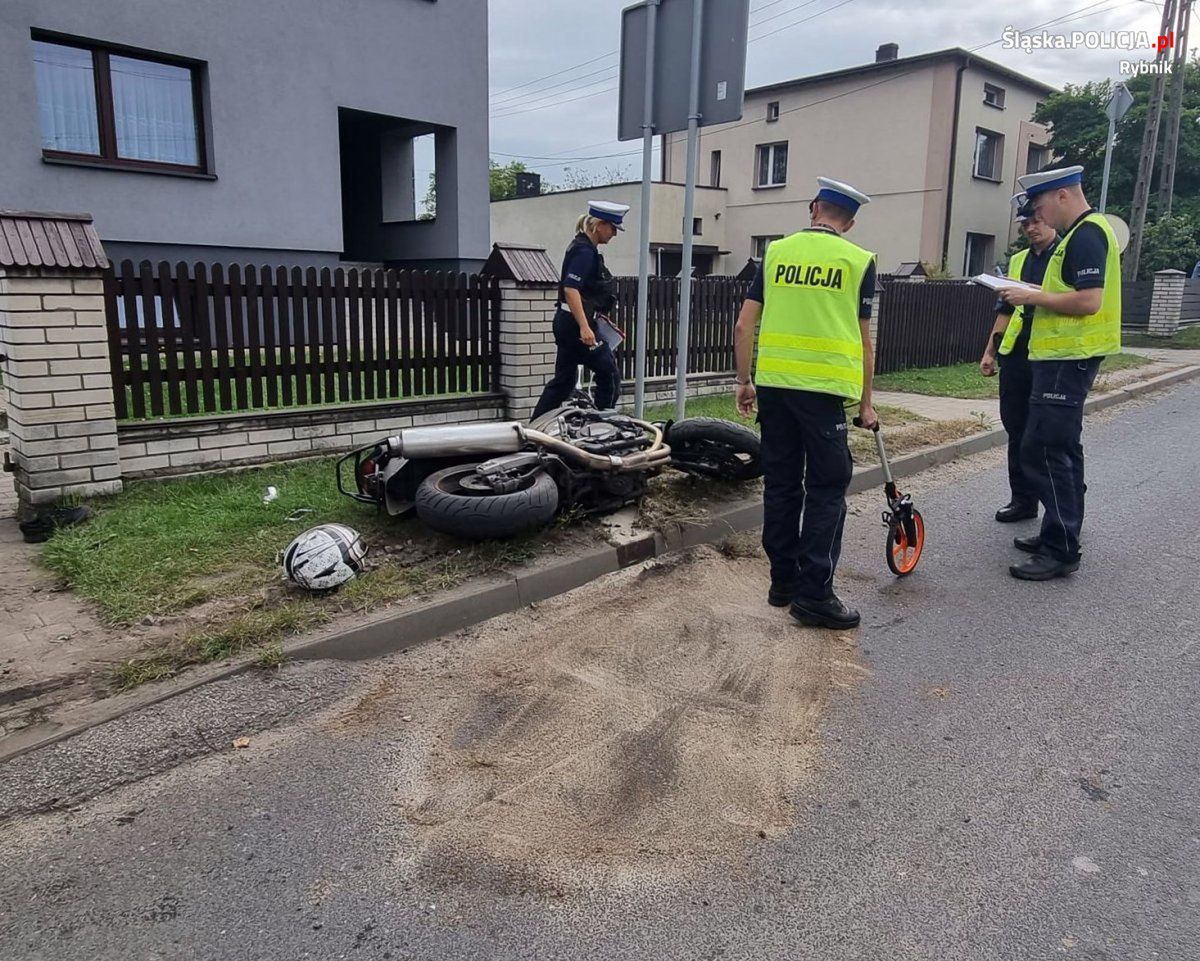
column 989, row 154
column 1038, row 158
column 758, row 245
column 772, row 165
column 714, row 169
column 993, row 96
column 979, row 254
column 772, row 111
column 98, row 104
column 697, row 226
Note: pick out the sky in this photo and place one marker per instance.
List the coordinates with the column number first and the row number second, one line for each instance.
column 553, row 63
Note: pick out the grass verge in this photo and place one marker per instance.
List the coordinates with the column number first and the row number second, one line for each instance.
column 964, row 380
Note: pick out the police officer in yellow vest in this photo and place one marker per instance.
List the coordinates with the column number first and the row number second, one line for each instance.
column 1076, row 323
column 813, row 295
column 1010, row 340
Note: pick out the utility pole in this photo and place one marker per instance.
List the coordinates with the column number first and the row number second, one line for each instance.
column 1141, row 188
column 1166, row 180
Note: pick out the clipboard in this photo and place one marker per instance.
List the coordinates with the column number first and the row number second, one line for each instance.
column 1002, row 283
column 608, row 332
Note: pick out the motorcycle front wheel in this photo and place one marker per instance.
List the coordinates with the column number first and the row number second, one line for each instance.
column 452, row 501
column 715, row 448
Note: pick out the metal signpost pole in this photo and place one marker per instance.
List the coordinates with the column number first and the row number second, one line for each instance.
column 689, row 209
column 1116, row 108
column 639, row 363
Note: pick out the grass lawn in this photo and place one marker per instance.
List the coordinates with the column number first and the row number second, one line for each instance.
column 722, row 405
column 202, row 550
column 964, row 380
column 904, row 432
column 1186, row 339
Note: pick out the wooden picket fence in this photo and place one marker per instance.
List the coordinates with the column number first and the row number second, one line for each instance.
column 714, row 309
column 932, row 323
column 202, row 340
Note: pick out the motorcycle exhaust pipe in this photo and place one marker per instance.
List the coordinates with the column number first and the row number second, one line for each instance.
column 658, row 455
column 461, row 440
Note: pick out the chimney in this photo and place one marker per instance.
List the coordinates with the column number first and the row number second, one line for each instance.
column 886, row 52
column 529, row 185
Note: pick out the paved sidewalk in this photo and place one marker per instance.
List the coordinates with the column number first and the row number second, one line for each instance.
column 941, row 408
column 958, row 408
column 1168, row 355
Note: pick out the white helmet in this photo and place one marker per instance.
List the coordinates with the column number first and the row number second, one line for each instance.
column 325, row 557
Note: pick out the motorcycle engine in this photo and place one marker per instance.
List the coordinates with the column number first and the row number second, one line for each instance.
column 605, row 433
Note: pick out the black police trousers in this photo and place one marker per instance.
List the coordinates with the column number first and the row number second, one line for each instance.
column 806, row 469
column 1052, row 453
column 572, row 352
column 1016, row 383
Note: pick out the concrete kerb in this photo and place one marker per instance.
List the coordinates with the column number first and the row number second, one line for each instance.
column 474, row 604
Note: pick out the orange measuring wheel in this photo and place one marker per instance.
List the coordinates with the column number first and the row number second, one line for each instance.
column 905, row 540
column 905, row 526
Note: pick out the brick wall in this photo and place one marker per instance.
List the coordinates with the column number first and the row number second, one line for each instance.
column 194, row 444
column 59, row 402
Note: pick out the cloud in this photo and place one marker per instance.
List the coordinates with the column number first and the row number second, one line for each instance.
column 571, row 109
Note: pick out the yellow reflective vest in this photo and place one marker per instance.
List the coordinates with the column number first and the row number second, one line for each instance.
column 1066, row 337
column 810, row 338
column 1015, row 322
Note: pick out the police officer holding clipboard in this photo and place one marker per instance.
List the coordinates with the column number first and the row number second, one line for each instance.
column 586, row 294
column 1076, row 323
column 1010, row 340
column 813, row 295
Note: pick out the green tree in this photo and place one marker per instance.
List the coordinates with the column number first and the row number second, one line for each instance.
column 1170, row 243
column 502, row 179
column 1079, row 131
column 430, row 202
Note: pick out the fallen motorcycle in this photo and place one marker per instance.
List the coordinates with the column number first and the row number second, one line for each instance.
column 480, row 481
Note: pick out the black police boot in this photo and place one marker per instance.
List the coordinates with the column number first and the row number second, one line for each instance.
column 1015, row 511
column 830, row 613
column 1030, row 545
column 781, row 595
column 1042, row 567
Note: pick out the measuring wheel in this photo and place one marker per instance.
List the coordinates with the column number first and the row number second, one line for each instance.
column 905, row 526
column 905, row 540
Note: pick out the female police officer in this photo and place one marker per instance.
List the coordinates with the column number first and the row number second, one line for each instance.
column 585, row 289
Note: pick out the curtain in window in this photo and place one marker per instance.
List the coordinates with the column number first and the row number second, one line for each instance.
column 985, row 154
column 779, row 165
column 66, row 92
column 154, row 111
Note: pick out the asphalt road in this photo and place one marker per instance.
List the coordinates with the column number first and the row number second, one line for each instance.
column 1015, row 778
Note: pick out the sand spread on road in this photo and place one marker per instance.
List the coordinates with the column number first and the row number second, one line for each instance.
column 660, row 719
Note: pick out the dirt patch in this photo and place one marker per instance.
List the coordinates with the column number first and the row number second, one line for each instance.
column 659, row 724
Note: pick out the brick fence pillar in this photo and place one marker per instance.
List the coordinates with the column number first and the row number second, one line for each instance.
column 54, row 344
column 1166, row 303
column 526, row 345
column 875, row 319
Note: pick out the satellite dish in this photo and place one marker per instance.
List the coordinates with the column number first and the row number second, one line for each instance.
column 1120, row 228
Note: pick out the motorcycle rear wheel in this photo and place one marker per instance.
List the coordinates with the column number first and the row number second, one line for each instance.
column 445, row 505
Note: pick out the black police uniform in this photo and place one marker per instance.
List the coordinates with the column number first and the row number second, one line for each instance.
column 807, row 467
column 1052, row 452
column 583, row 270
column 1016, row 383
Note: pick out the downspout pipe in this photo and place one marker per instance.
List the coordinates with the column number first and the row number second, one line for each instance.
column 966, row 62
